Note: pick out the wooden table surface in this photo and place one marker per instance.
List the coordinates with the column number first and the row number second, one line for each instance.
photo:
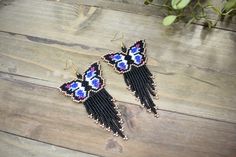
column 195, row 72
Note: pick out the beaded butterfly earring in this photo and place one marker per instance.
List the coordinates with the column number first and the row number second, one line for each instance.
column 132, row 64
column 89, row 89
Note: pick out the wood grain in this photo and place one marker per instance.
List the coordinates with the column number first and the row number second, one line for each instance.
column 12, row 145
column 195, row 71
column 41, row 113
column 138, row 7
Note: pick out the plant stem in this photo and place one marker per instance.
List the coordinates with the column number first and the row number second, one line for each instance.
column 159, row 5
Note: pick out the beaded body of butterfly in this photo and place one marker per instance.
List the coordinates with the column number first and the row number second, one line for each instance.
column 89, row 89
column 132, row 64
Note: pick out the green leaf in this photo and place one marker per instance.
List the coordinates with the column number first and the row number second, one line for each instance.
column 168, row 20
column 179, row 4
column 230, row 4
column 174, row 3
column 183, row 4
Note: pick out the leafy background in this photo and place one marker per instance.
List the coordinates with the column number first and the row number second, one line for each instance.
column 192, row 11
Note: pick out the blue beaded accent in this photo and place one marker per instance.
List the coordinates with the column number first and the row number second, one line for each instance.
column 138, row 59
column 80, row 93
column 74, row 85
column 134, row 49
column 122, row 65
column 117, row 57
column 90, row 74
column 90, row 82
column 96, row 83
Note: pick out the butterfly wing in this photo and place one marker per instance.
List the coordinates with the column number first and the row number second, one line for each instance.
column 76, row 89
column 137, row 53
column 119, row 61
column 79, row 89
column 93, row 77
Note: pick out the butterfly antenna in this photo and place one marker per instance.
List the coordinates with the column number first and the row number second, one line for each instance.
column 123, row 47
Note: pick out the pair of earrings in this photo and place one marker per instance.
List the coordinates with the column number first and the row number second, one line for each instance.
column 89, row 87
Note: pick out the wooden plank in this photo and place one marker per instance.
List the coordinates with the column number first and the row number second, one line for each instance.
column 12, row 145
column 190, row 78
column 137, row 7
column 67, row 22
column 192, row 68
column 41, row 113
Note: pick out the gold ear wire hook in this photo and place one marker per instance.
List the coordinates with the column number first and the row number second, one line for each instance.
column 75, row 68
column 66, row 67
column 123, row 47
column 122, row 44
column 113, row 39
column 116, row 34
column 72, row 66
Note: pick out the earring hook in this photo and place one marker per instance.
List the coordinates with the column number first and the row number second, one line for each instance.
column 72, row 66
column 123, row 47
column 115, row 36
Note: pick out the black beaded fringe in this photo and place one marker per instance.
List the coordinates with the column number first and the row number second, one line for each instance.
column 140, row 81
column 100, row 107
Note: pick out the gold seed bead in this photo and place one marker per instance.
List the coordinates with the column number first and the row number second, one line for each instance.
column 156, row 115
column 125, row 138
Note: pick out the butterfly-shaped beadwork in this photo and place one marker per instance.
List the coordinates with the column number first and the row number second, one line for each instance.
column 99, row 104
column 81, row 88
column 132, row 64
column 123, row 61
